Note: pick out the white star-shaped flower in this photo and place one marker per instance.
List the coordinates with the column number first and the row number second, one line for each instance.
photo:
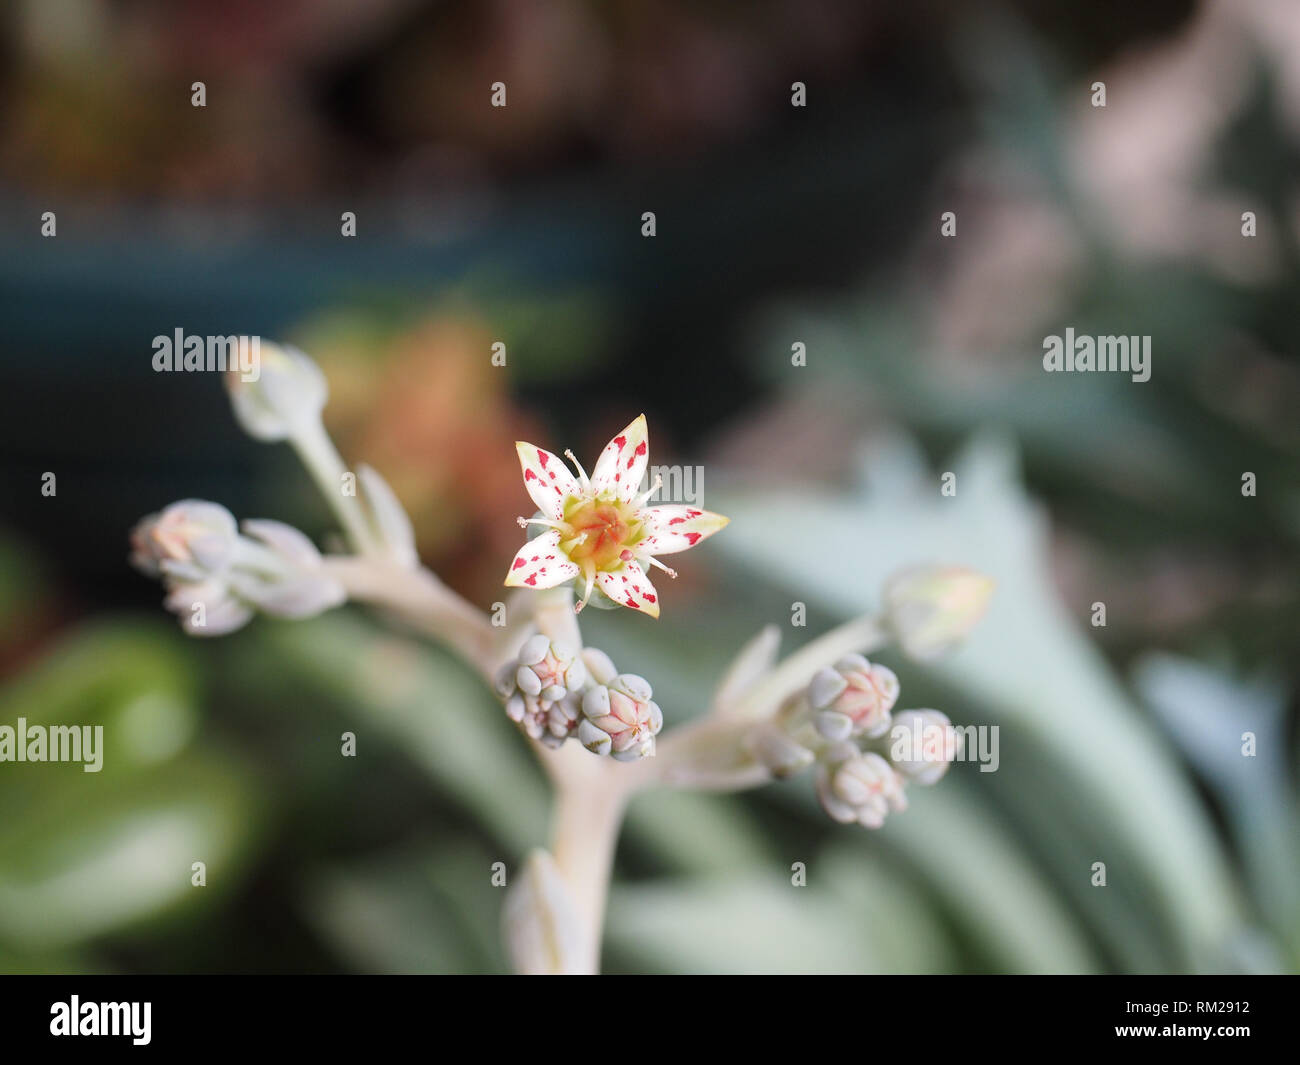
column 599, row 530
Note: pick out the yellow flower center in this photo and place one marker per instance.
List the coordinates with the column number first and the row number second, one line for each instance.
column 602, row 531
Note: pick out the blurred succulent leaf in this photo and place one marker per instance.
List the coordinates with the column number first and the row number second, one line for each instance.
column 737, row 924
column 427, row 704
column 110, row 849
column 86, row 853
column 417, row 911
column 133, row 679
column 697, row 833
column 1209, row 713
column 976, row 872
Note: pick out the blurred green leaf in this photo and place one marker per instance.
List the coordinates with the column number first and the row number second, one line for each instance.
column 87, row 853
column 428, row 705
column 1209, row 713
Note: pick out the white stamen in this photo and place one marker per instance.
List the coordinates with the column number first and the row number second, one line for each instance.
column 640, row 500
column 583, row 479
column 590, row 571
column 655, row 562
column 523, row 523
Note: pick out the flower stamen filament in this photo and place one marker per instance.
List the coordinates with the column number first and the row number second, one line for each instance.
column 659, row 565
column 640, row 500
column 563, row 526
column 589, row 573
column 583, row 479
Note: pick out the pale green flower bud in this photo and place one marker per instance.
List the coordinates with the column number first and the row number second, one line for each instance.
column 619, row 719
column 288, row 394
column 852, row 698
column 931, row 609
column 856, row 787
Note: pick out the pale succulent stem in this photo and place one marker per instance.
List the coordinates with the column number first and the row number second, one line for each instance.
column 421, row 600
column 684, row 755
column 553, row 614
column 587, row 819
column 325, row 464
column 743, row 778
column 590, row 797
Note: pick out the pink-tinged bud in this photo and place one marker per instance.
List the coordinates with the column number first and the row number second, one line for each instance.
column 541, row 688
column 856, row 787
column 619, row 719
column 931, row 609
column 852, row 698
column 190, row 540
column 922, row 744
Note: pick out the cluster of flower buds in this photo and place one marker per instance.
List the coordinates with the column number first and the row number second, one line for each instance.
column 553, row 693
column 863, row 754
column 217, row 578
column 542, row 688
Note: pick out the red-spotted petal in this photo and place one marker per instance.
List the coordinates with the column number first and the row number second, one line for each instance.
column 674, row 528
column 629, row 586
column 546, row 477
column 540, row 564
column 622, row 464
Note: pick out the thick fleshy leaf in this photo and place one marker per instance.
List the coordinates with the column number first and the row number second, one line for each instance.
column 540, row 564
column 285, row 539
column 546, row 477
column 301, row 597
column 754, row 659
column 221, row 612
column 629, row 586
column 675, row 527
column 389, row 518
column 623, row 462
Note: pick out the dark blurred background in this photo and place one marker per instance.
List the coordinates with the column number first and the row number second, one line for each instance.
column 775, row 224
